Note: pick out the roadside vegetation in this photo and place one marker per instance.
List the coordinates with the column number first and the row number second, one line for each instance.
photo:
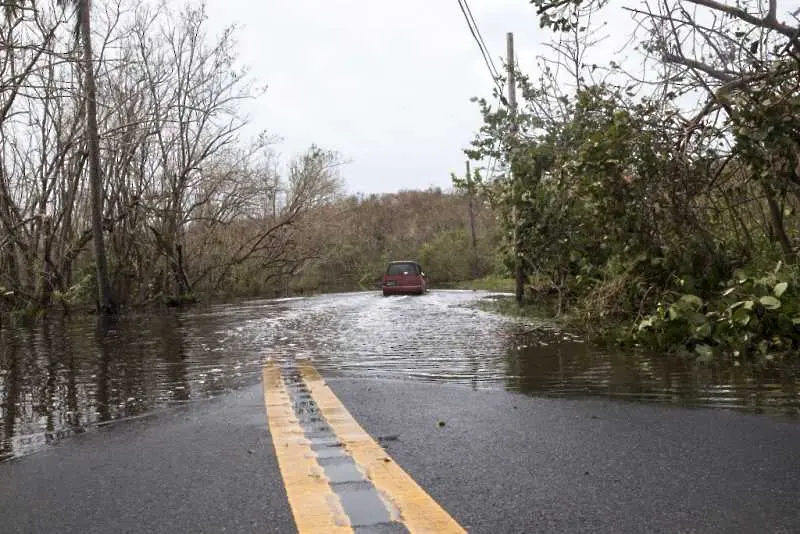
column 662, row 211
column 349, row 242
column 192, row 204
column 657, row 211
column 498, row 283
column 185, row 197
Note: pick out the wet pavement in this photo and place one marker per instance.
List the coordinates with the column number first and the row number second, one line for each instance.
column 360, row 500
column 157, row 423
column 64, row 377
column 507, row 463
column 498, row 462
column 205, row 466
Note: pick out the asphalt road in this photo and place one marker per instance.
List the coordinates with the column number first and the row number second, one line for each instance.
column 498, row 462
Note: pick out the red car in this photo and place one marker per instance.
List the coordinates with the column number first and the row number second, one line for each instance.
column 404, row 277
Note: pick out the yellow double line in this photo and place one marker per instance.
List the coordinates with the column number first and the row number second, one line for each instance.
column 315, row 506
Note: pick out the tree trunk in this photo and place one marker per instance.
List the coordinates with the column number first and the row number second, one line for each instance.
column 44, row 280
column 776, row 217
column 181, row 279
column 105, row 302
column 474, row 239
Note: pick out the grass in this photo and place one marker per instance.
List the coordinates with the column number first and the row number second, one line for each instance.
column 531, row 310
column 488, row 283
column 542, row 308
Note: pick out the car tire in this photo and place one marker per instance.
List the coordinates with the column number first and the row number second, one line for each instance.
column 385, row 294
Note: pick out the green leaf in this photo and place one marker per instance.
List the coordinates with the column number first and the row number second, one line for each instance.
column 692, row 300
column 780, row 289
column 728, row 291
column 705, row 353
column 703, row 331
column 741, row 317
column 646, row 323
column 743, row 304
column 696, row 318
column 770, row 302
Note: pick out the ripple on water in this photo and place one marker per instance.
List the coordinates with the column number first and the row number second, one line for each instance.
column 65, row 376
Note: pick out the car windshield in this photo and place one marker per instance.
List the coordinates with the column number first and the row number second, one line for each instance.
column 400, row 268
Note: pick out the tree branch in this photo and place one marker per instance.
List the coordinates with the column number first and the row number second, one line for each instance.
column 769, row 22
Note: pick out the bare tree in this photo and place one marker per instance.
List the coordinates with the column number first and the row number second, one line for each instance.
column 271, row 242
column 83, row 35
column 184, row 197
column 26, row 38
column 195, row 90
column 747, row 63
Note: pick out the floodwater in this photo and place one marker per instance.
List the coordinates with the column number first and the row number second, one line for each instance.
column 68, row 375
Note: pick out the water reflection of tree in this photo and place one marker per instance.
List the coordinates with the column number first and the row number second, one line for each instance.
column 142, row 364
column 173, row 352
column 567, row 368
column 40, row 395
column 51, row 391
column 570, row 368
column 103, row 397
column 9, row 389
column 62, row 375
column 62, row 413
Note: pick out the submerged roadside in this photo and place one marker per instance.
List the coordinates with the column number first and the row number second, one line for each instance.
column 753, row 319
column 678, row 339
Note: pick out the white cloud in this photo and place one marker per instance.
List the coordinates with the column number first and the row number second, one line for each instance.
column 388, row 84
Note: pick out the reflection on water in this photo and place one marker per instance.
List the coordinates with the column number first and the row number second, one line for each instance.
column 548, row 364
column 66, row 376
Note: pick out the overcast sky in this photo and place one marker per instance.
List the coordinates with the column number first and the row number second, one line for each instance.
column 387, row 84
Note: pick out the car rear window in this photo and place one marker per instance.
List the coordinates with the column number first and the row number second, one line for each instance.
column 400, row 268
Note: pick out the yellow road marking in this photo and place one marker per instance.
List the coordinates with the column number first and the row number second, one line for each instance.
column 316, row 508
column 418, row 511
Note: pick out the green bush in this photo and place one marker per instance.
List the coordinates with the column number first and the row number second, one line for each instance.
column 756, row 316
column 448, row 257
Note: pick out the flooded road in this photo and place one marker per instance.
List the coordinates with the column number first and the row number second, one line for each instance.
column 67, row 376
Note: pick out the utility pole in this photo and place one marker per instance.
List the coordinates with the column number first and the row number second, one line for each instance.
column 519, row 273
column 471, row 193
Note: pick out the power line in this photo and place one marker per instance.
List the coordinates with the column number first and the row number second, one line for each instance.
column 487, row 59
column 478, row 37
